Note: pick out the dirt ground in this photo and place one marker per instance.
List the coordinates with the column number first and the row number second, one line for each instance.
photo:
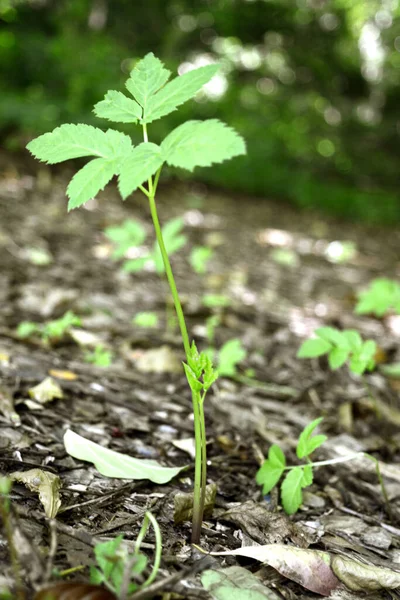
column 278, row 269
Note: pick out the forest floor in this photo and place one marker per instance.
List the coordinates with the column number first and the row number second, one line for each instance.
column 280, row 271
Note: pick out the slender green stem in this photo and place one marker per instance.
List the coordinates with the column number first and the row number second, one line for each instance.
column 198, row 413
column 170, row 276
column 157, row 556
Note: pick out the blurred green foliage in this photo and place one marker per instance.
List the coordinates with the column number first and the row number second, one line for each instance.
column 313, row 85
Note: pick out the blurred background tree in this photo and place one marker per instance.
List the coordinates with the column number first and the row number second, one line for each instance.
column 313, row 85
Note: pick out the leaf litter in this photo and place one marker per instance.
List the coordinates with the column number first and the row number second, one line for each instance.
column 343, row 537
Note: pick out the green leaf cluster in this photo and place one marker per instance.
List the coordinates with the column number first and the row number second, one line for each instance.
column 199, row 371
column 145, row 319
column 229, row 356
column 380, row 297
column 298, row 477
column 192, row 144
column 50, row 331
column 112, row 558
column 199, row 257
column 340, row 346
column 100, row 357
column 129, row 234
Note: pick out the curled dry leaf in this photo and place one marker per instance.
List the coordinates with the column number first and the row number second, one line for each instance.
column 45, row 484
column 183, row 504
column 74, row 591
column 361, row 577
column 309, row 568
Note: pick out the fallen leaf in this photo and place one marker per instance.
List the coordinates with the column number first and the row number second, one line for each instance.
column 46, row 484
column 235, row 583
column 309, row 568
column 7, row 406
column 183, row 504
column 113, row 464
column 362, row 577
column 46, row 390
column 65, row 375
column 159, row 360
column 74, row 591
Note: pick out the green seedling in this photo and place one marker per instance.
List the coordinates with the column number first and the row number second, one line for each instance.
column 211, row 325
column 100, row 357
column 229, row 356
column 382, row 296
column 216, row 300
column 51, row 331
column 146, row 319
column 192, row 144
column 199, row 257
column 298, row 477
column 341, row 347
column 130, row 234
column 116, row 567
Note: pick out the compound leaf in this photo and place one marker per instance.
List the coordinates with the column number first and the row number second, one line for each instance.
column 271, row 470
column 201, row 143
column 92, row 178
column 307, row 444
column 148, row 76
column 73, row 141
column 176, row 92
column 337, row 357
column 118, row 108
column 142, row 162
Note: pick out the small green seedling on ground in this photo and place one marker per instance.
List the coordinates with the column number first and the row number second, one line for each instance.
column 50, row 331
column 340, row 346
column 100, row 357
column 116, row 567
column 229, row 356
column 211, row 325
column 146, row 319
column 216, row 300
column 382, row 296
column 298, row 477
column 192, row 144
column 199, row 257
column 129, row 234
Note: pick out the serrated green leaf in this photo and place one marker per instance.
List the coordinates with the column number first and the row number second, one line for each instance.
column 148, row 76
column 307, row 476
column 363, row 359
column 305, row 444
column 142, row 162
column 313, row 348
column 354, row 339
column 272, row 469
column 113, row 464
column 74, row 141
column 118, row 108
column 176, row 92
column 291, row 493
column 193, row 382
column 333, row 336
column 337, row 357
column 88, row 182
column 201, row 143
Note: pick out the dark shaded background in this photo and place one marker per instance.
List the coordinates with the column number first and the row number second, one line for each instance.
column 313, row 85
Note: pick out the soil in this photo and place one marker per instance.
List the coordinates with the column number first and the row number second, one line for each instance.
column 277, row 266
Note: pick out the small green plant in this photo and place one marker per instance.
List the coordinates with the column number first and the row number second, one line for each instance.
column 146, row 319
column 229, row 356
column 382, row 296
column 129, row 234
column 298, row 477
column 341, row 347
column 116, row 567
column 192, row 144
column 216, row 300
column 100, row 357
column 50, row 331
column 199, row 257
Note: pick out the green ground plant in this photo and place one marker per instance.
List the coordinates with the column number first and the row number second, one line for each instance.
column 116, row 567
column 192, row 144
column 145, row 319
column 100, row 356
column 297, row 477
column 51, row 331
column 340, row 347
column 381, row 297
column 199, row 257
